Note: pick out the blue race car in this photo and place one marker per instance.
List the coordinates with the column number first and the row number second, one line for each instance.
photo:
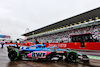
column 40, row 52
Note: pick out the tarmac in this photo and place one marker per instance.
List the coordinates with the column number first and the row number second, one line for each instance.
column 5, row 62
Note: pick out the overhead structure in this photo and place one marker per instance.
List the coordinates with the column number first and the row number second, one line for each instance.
column 4, row 36
column 82, row 20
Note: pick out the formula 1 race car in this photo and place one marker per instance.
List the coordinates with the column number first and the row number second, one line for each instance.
column 39, row 52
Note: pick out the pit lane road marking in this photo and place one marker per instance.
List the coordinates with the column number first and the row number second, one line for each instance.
column 94, row 57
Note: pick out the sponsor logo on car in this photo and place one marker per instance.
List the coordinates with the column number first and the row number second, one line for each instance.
column 38, row 55
column 60, row 51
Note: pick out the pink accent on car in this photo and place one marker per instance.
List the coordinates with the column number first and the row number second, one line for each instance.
column 29, row 55
column 39, row 54
column 47, row 52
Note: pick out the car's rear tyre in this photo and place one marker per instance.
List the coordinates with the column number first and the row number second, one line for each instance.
column 13, row 55
column 72, row 57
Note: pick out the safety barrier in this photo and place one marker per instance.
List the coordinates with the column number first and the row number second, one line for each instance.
column 22, row 44
column 92, row 45
column 77, row 45
column 74, row 45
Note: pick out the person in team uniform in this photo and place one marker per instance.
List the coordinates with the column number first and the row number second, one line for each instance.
column 36, row 42
column 2, row 43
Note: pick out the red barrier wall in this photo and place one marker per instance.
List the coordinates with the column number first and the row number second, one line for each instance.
column 22, row 44
column 92, row 45
column 64, row 45
column 75, row 45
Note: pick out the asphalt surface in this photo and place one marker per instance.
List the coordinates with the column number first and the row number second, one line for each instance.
column 5, row 62
column 89, row 52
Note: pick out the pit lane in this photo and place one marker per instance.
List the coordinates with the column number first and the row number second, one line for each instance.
column 5, row 62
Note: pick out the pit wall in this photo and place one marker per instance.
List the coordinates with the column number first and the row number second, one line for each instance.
column 74, row 45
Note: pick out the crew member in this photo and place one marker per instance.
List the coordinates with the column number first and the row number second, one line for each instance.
column 2, row 43
column 36, row 42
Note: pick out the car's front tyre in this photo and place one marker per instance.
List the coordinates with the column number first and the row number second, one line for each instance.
column 72, row 57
